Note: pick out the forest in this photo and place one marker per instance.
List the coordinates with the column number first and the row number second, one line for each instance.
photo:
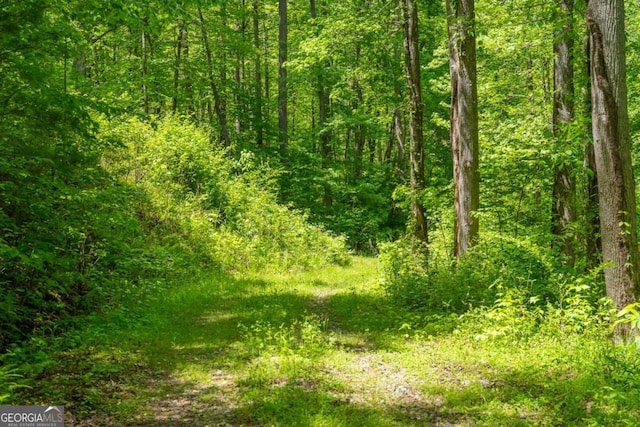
column 321, row 213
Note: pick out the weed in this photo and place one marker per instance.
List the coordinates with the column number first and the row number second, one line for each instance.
column 305, row 337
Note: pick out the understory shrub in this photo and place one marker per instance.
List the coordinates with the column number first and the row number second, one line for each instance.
column 503, row 289
column 219, row 210
column 69, row 240
column 497, row 263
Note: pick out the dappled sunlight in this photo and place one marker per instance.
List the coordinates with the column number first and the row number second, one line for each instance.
column 321, row 350
column 321, row 213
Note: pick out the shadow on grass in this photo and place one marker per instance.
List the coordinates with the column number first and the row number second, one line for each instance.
column 174, row 365
column 303, row 405
column 136, row 355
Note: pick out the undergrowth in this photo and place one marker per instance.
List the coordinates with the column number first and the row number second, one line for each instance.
column 221, row 210
column 160, row 204
column 510, row 294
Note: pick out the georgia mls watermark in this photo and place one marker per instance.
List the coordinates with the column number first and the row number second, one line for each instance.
column 31, row 416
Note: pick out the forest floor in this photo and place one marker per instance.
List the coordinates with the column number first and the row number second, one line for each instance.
column 319, row 348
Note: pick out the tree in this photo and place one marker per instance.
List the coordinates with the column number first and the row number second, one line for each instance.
column 217, row 96
column 563, row 204
column 464, row 122
column 593, row 244
column 144, row 50
column 610, row 126
column 258, row 116
column 323, row 113
column 416, row 134
column 282, row 76
column 182, row 49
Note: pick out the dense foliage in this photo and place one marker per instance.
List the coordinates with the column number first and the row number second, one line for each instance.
column 222, row 212
column 88, row 216
column 139, row 144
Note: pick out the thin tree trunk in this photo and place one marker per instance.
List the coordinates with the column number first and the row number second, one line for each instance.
column 223, row 64
column 267, row 75
column 258, row 121
column 176, row 67
column 464, row 123
column 399, row 139
column 563, row 200
column 239, row 73
column 145, row 92
column 398, row 134
column 610, row 124
column 282, row 77
column 192, row 108
column 359, row 136
column 416, row 108
column 323, row 112
column 323, row 101
column 593, row 243
column 219, row 110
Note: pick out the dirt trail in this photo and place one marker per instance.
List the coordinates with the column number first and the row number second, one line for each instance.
column 199, row 368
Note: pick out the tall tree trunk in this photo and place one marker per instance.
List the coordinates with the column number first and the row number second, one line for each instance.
column 400, row 139
column 257, row 119
column 218, row 105
column 323, row 101
column 282, row 77
column 563, row 200
column 610, row 124
column 416, row 108
column 180, row 40
column 593, row 243
column 464, row 122
column 267, row 75
column 222, row 54
column 323, row 113
column 192, row 108
column 239, row 72
column 397, row 137
column 359, row 137
column 145, row 89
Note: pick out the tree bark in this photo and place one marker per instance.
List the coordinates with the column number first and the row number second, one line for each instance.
column 239, row 72
column 397, row 135
column 257, row 119
column 180, row 41
column 145, row 90
column 218, row 105
column 359, row 137
column 593, row 243
column 464, row 122
column 282, row 77
column 323, row 100
column 610, row 125
column 563, row 201
column 323, row 113
column 267, row 75
column 416, row 109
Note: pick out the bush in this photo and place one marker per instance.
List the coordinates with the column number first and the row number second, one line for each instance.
column 495, row 264
column 69, row 242
column 218, row 210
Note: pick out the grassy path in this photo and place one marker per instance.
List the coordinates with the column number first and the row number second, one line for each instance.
column 321, row 348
